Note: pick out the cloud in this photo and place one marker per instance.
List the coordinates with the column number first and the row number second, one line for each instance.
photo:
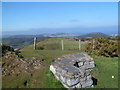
column 74, row 20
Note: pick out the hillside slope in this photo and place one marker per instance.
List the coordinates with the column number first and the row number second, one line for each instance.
column 20, row 41
column 42, row 78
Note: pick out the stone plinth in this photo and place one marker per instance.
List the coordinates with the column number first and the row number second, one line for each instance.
column 73, row 70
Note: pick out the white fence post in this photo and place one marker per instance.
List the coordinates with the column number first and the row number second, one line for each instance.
column 62, row 45
column 79, row 44
column 34, row 43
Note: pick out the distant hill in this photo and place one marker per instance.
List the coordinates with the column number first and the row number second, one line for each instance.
column 20, row 41
column 93, row 35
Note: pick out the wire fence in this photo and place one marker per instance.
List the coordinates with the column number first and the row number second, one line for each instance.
column 62, row 44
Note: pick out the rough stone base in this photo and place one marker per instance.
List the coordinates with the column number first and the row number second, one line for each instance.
column 73, row 70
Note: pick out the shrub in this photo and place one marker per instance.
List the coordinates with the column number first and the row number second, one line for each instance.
column 103, row 47
column 6, row 48
column 41, row 47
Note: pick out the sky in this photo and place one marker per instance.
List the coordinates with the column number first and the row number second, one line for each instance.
column 52, row 17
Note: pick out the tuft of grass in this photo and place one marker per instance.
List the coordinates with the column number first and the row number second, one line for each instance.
column 50, row 81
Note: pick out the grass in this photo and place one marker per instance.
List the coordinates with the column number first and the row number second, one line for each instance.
column 49, row 81
column 105, row 69
column 14, row 81
column 69, row 44
column 43, row 78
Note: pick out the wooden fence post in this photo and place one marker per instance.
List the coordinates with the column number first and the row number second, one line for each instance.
column 79, row 44
column 62, row 45
column 34, row 43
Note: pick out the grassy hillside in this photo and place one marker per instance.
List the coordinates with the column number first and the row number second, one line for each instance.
column 19, row 41
column 105, row 67
column 55, row 44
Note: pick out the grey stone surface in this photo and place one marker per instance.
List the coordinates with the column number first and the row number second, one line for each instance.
column 73, row 70
column 71, row 82
column 78, row 85
column 87, row 83
column 80, row 64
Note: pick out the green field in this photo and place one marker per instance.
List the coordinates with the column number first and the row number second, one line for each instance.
column 55, row 44
column 106, row 67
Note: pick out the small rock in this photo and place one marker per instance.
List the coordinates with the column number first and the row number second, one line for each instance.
column 80, row 64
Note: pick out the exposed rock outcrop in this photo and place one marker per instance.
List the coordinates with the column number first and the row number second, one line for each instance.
column 12, row 64
column 73, row 70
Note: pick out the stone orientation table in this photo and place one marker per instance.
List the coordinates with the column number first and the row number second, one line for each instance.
column 73, row 70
